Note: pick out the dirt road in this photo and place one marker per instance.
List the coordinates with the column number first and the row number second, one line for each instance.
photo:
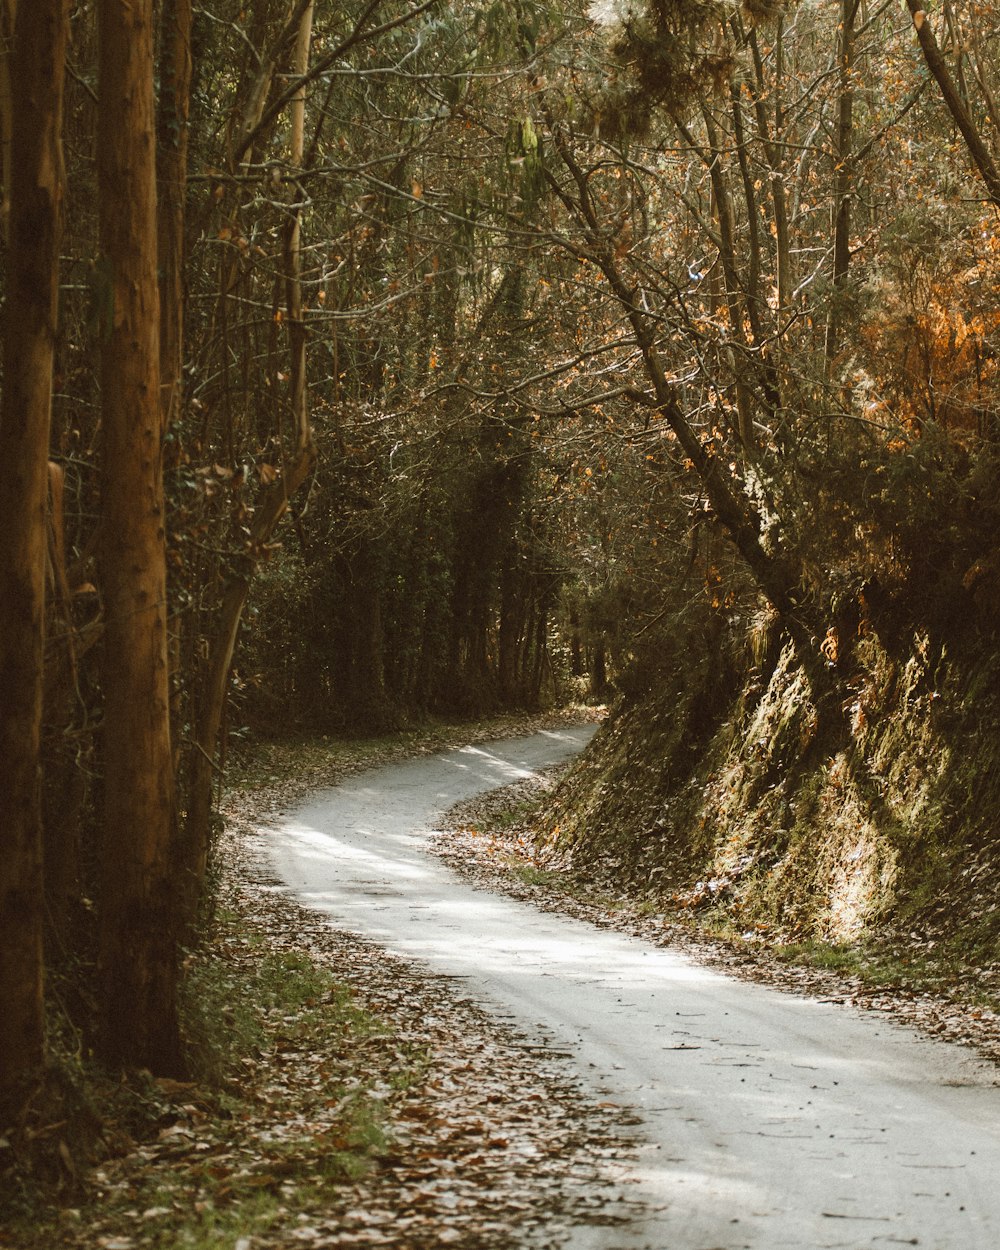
column 769, row 1120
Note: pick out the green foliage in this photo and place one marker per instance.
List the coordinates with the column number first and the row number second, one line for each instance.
column 226, row 1006
column 669, row 59
column 501, row 27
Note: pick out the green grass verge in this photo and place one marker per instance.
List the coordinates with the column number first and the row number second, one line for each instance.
column 290, row 1083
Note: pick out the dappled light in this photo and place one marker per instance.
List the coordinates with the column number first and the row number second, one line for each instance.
column 392, row 392
column 773, row 1115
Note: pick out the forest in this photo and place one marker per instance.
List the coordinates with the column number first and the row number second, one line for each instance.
column 387, row 362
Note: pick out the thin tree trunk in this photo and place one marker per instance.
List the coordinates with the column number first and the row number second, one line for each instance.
column 777, row 576
column 741, row 308
column 65, row 785
column 989, row 99
column 171, row 183
column 172, row 160
column 36, row 190
column 293, row 246
column 510, row 629
column 937, row 65
column 771, row 141
column 755, row 300
column 843, row 176
column 270, row 509
column 198, row 823
column 138, row 946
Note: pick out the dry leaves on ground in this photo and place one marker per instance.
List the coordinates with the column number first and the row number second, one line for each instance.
column 490, row 1143
column 380, row 1107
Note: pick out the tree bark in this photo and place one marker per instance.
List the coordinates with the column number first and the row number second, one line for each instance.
column 298, row 399
column 65, row 774
column 138, row 945
column 175, row 72
column 771, row 142
column 843, row 175
column 8, row 12
column 172, row 161
column 978, row 150
column 36, row 189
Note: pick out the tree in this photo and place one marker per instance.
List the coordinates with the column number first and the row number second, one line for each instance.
column 139, row 923
column 35, row 220
column 952, row 96
column 270, row 508
column 620, row 330
column 171, row 180
column 843, row 157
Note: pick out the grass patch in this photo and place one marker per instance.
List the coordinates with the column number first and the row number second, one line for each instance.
column 531, row 874
column 834, row 957
column 239, row 992
column 563, row 882
column 291, row 1080
column 937, row 968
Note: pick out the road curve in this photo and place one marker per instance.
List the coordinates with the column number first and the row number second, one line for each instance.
column 772, row 1120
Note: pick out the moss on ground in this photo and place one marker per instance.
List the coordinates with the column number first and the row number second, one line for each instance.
column 840, row 830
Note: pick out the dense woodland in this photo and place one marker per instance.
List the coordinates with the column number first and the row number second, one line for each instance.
column 380, row 360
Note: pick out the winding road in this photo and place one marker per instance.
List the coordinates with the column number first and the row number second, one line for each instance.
column 770, row 1120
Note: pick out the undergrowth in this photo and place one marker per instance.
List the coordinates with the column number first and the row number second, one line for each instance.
column 249, row 1012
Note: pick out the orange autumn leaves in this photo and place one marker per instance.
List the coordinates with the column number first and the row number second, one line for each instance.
column 932, row 345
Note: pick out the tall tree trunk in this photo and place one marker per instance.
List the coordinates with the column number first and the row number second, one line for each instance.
column 29, row 342
column 171, row 185
column 771, row 142
column 138, row 946
column 937, row 65
column 298, row 399
column 8, row 11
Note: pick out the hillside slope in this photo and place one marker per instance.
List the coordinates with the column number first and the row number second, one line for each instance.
column 720, row 788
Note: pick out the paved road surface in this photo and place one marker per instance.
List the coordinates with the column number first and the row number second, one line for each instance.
column 773, row 1121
